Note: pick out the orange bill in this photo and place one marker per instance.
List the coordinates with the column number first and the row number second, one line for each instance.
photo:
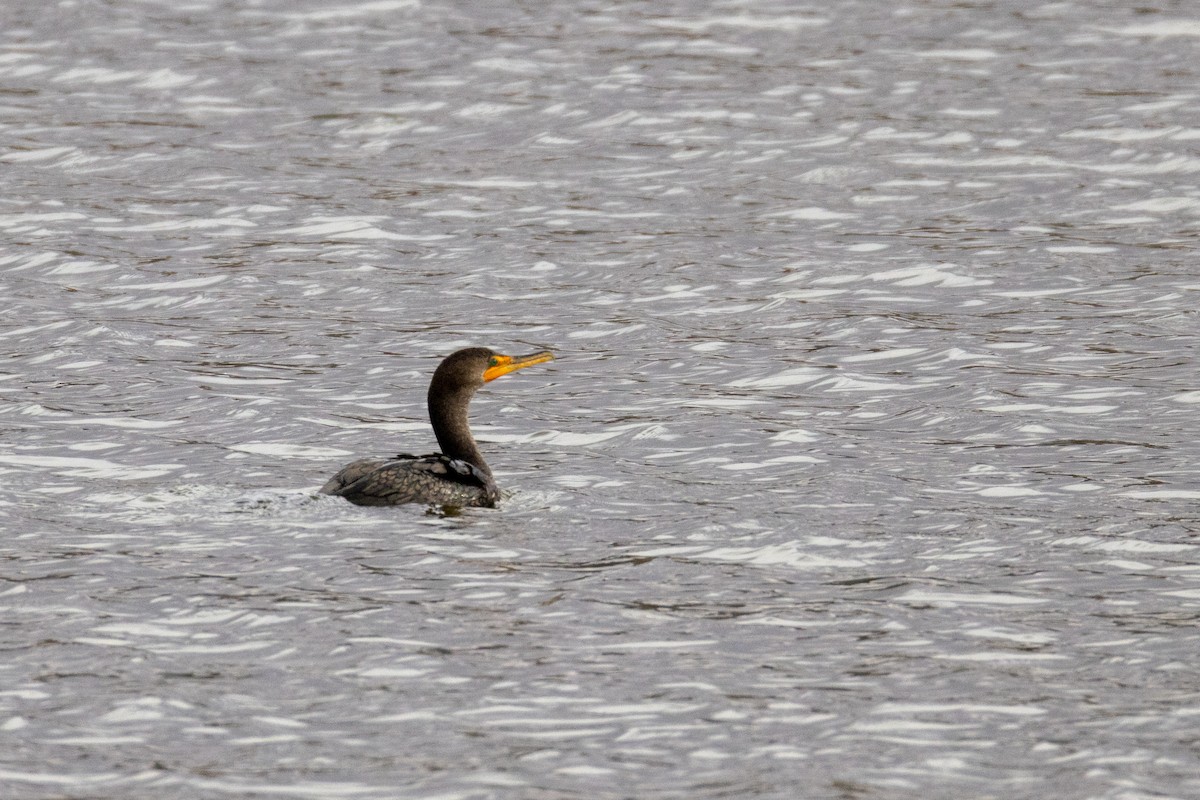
column 507, row 364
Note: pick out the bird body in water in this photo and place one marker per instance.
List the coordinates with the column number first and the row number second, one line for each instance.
column 457, row 476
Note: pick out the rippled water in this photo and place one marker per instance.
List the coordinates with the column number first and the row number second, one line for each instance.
column 868, row 464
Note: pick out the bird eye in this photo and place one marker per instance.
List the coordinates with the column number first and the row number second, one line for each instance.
column 493, row 362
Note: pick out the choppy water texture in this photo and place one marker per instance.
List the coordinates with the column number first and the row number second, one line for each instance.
column 868, row 468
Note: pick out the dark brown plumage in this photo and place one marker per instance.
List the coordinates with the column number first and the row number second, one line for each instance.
column 457, row 476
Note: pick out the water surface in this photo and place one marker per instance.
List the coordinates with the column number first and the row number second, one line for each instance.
column 867, row 465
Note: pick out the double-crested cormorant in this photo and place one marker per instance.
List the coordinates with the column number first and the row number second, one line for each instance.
column 457, row 476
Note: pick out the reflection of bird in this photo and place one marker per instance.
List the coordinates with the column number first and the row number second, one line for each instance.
column 458, row 476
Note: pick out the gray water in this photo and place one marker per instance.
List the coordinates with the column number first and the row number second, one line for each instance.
column 867, row 468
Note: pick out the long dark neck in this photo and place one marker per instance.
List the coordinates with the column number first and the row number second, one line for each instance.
column 448, row 415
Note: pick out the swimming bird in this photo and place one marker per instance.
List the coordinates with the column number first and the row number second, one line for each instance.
column 457, row 476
